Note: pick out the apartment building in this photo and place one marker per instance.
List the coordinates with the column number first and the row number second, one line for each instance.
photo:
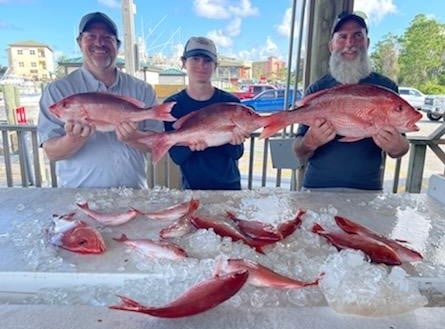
column 31, row 60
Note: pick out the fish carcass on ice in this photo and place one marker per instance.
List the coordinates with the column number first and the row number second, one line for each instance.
column 197, row 299
column 106, row 110
column 76, row 235
column 356, row 111
column 214, row 124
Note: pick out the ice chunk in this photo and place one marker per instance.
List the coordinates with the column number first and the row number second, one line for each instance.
column 352, row 285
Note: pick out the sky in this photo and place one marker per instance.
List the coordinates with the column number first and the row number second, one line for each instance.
column 244, row 29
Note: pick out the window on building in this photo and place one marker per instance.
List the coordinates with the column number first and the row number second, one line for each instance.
column 21, row 64
column 33, row 64
column 32, row 52
column 41, row 53
column 19, row 51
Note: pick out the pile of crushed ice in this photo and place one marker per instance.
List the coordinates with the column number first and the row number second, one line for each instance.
column 350, row 284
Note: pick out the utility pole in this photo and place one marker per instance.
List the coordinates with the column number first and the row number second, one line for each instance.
column 130, row 51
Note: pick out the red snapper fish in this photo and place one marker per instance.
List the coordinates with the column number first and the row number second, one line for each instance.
column 154, row 249
column 76, row 235
column 214, row 124
column 226, row 229
column 106, row 111
column 197, row 299
column 174, row 212
column 258, row 230
column 356, row 111
column 261, row 276
column 406, row 254
column 377, row 251
column 109, row 218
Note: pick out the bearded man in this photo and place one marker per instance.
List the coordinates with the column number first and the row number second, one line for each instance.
column 331, row 164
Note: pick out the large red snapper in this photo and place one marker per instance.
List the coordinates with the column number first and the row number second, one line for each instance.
column 214, row 124
column 106, row 111
column 356, row 111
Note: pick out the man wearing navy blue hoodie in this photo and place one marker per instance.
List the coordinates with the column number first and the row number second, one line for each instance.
column 202, row 167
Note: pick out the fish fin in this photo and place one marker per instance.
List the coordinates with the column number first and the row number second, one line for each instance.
column 163, row 111
column 162, row 147
column 271, row 129
column 181, row 121
column 347, row 139
column 127, row 304
column 131, row 100
column 122, row 238
column 83, row 205
column 317, row 228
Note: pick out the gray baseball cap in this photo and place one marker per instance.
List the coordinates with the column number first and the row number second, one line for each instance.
column 196, row 46
column 97, row 17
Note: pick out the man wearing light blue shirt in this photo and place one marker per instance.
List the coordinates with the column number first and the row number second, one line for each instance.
column 86, row 157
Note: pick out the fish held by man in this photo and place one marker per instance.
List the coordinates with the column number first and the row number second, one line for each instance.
column 214, row 125
column 197, row 299
column 106, row 110
column 76, row 235
column 356, row 111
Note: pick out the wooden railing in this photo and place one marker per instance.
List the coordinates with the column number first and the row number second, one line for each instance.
column 25, row 165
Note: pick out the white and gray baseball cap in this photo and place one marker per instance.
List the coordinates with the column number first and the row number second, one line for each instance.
column 196, row 46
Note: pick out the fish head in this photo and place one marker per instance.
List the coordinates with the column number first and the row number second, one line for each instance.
column 403, row 116
column 246, row 118
column 66, row 109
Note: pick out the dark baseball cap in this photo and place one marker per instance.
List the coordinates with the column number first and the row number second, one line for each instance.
column 196, row 46
column 97, row 17
column 358, row 17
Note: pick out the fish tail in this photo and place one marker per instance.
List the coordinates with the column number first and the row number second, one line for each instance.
column 158, row 143
column 122, row 238
column 276, row 122
column 162, row 111
column 127, row 304
column 83, row 205
column 316, row 228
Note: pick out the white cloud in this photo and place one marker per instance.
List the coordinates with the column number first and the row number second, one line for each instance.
column 244, row 9
column 214, row 9
column 233, row 29
column 270, row 48
column 284, row 27
column 375, row 9
column 232, row 11
column 220, row 39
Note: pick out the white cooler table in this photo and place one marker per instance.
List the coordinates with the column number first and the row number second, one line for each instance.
column 420, row 217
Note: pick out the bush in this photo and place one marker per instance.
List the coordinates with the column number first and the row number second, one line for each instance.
column 430, row 88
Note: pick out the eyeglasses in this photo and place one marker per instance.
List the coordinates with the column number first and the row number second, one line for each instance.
column 91, row 37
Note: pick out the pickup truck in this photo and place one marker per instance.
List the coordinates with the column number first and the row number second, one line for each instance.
column 434, row 107
column 252, row 90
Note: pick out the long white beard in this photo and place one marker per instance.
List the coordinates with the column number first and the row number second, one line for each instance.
column 349, row 71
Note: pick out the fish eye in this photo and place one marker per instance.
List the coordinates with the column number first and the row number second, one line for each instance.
column 399, row 108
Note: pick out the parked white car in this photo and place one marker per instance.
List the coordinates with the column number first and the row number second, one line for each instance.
column 413, row 96
column 434, row 107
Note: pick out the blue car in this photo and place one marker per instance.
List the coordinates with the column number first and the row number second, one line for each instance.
column 270, row 100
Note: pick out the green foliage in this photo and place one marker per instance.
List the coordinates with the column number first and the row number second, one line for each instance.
column 430, row 88
column 417, row 58
column 385, row 58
